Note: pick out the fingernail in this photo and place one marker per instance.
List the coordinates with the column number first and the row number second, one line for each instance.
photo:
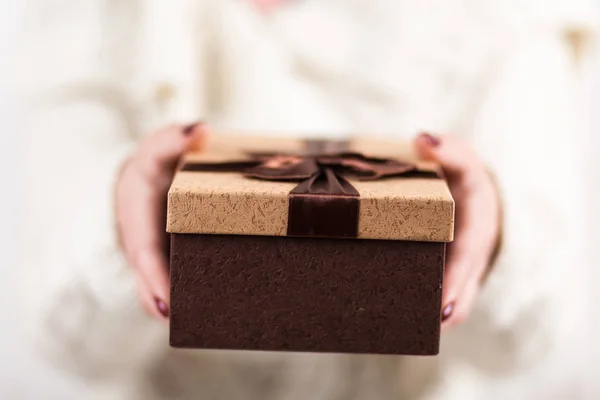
column 433, row 141
column 162, row 307
column 190, row 128
column 447, row 311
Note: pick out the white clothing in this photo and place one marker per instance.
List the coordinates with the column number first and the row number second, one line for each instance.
column 99, row 74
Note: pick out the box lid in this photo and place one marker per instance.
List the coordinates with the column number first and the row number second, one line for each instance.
column 395, row 208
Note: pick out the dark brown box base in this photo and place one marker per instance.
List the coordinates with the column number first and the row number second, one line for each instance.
column 297, row 294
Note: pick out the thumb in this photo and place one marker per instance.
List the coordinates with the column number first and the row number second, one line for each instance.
column 166, row 146
column 198, row 134
column 454, row 155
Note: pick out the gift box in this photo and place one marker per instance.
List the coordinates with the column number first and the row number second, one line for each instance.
column 307, row 245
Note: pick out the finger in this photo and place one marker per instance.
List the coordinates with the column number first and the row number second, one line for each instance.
column 161, row 151
column 461, row 309
column 147, row 301
column 466, row 255
column 198, row 135
column 475, row 214
column 153, row 267
column 142, row 227
column 145, row 296
column 145, row 222
column 454, row 155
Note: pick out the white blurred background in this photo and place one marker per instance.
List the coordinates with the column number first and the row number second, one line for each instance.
column 22, row 377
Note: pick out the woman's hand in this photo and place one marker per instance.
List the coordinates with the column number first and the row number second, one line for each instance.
column 141, row 194
column 477, row 219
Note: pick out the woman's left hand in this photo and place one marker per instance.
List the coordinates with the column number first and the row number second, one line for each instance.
column 477, row 228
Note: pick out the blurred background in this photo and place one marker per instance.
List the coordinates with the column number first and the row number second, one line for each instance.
column 23, row 377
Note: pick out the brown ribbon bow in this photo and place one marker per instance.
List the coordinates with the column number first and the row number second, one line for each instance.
column 324, row 203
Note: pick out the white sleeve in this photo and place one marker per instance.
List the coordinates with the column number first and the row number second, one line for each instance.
column 527, row 131
column 80, row 298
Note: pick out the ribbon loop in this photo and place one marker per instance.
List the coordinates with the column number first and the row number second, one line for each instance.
column 284, row 168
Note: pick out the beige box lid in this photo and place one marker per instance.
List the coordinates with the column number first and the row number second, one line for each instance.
column 415, row 209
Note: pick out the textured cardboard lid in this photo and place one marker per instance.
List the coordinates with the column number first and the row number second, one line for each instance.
column 416, row 209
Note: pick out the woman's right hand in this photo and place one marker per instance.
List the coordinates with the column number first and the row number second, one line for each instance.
column 141, row 194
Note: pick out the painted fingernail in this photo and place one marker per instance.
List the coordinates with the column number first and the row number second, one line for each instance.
column 433, row 141
column 162, row 307
column 190, row 128
column 447, row 311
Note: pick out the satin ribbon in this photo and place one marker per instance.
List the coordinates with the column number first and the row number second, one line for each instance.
column 324, row 203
